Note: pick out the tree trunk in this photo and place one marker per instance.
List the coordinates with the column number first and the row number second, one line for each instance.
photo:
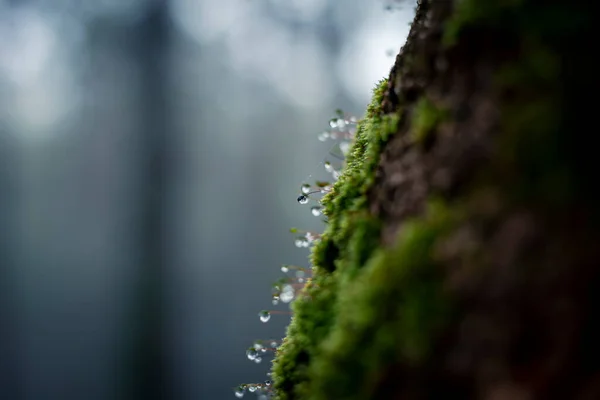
column 484, row 276
column 499, row 88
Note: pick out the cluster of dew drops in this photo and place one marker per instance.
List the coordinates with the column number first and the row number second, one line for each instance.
column 341, row 130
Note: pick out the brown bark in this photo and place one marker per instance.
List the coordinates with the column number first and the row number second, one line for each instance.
column 523, row 267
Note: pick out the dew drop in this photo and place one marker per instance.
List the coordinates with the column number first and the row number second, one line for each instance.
column 267, row 383
column 252, row 388
column 258, row 360
column 301, row 242
column 264, row 315
column 323, row 136
column 273, row 345
column 305, row 188
column 251, row 353
column 284, row 269
column 316, row 211
column 328, row 167
column 333, row 123
column 341, row 123
column 288, row 294
column 239, row 392
column 302, row 199
column 344, row 147
column 310, row 238
column 275, row 300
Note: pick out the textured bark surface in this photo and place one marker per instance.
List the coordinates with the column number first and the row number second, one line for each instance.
column 524, row 268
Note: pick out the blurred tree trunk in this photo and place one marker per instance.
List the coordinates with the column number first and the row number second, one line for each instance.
column 497, row 90
column 148, row 369
column 9, row 200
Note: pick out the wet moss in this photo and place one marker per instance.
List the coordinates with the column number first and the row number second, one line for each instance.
column 351, row 236
column 391, row 311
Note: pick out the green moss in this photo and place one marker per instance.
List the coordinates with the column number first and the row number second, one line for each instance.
column 387, row 299
column 390, row 313
column 427, row 116
column 352, row 234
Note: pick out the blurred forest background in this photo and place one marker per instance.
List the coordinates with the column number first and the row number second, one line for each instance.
column 150, row 155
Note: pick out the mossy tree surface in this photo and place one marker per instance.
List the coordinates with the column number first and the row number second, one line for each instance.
column 460, row 258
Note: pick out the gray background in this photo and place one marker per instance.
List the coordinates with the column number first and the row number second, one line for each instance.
column 150, row 157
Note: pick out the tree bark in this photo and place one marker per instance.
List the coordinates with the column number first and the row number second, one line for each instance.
column 511, row 151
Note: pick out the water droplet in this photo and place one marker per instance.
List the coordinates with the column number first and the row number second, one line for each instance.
column 341, row 123
column 251, row 353
column 287, row 294
column 333, row 123
column 328, row 166
column 284, row 269
column 273, row 345
column 264, row 315
column 310, row 238
column 258, row 360
column 316, row 211
column 305, row 188
column 344, row 147
column 267, row 383
column 239, row 392
column 323, row 136
column 258, row 345
column 252, row 388
column 302, row 199
column 263, row 350
column 301, row 242
column 275, row 300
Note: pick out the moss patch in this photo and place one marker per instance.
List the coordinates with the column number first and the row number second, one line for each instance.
column 391, row 312
column 351, row 236
column 366, row 307
column 426, row 118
